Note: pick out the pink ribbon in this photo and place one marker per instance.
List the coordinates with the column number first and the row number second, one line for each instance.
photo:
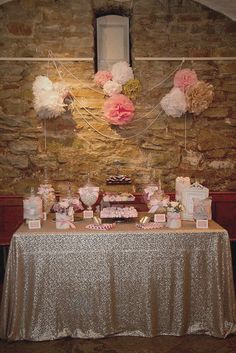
column 67, row 222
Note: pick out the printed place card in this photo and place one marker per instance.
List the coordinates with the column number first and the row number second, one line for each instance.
column 34, row 224
column 159, row 218
column 88, row 214
column 202, row 223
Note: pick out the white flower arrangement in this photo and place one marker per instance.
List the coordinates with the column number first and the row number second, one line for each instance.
column 68, row 206
column 174, row 206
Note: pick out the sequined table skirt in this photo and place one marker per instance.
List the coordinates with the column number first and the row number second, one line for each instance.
column 126, row 281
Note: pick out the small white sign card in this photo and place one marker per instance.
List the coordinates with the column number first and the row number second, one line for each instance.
column 202, row 223
column 34, row 224
column 87, row 214
column 160, row 218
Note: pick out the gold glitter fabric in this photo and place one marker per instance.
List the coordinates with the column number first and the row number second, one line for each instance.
column 125, row 281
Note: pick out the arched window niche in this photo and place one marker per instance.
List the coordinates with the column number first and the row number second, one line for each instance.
column 112, row 41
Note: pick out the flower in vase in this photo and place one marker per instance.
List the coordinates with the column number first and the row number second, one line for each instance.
column 67, row 205
column 174, row 206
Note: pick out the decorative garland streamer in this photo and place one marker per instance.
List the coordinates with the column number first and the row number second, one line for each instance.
column 72, row 75
column 119, row 138
column 50, row 54
column 168, row 76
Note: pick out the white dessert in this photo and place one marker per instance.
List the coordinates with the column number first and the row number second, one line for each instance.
column 118, row 179
column 118, row 197
column 119, row 212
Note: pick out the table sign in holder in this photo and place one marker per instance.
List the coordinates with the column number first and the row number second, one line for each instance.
column 160, row 218
column 196, row 191
column 34, row 224
column 202, row 223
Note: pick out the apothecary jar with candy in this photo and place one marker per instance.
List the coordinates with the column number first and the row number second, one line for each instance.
column 89, row 194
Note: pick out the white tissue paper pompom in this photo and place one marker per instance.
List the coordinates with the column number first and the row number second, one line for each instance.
column 112, row 87
column 42, row 83
column 49, row 97
column 174, row 103
column 49, row 105
column 61, row 88
column 122, row 72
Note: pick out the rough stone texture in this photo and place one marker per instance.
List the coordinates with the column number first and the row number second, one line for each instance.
column 74, row 147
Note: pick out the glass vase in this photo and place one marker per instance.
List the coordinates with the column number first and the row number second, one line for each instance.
column 174, row 220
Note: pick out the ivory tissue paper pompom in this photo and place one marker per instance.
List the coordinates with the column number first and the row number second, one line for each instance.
column 42, row 83
column 174, row 103
column 122, row 72
column 112, row 87
column 199, row 97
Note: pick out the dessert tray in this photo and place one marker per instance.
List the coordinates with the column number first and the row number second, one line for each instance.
column 118, row 197
column 119, row 212
column 118, row 180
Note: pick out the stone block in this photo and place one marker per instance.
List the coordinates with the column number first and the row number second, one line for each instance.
column 18, row 161
column 20, row 29
column 217, row 112
column 23, row 146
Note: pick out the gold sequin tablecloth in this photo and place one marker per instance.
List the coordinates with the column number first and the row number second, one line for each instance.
column 126, row 281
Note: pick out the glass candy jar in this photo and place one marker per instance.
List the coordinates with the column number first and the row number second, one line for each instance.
column 89, row 194
column 32, row 206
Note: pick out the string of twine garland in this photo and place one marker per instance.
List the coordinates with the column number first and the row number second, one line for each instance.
column 158, row 115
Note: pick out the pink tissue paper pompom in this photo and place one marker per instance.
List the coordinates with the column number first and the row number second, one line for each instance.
column 119, row 110
column 185, row 78
column 101, row 77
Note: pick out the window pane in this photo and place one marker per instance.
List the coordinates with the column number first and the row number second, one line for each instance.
column 112, row 40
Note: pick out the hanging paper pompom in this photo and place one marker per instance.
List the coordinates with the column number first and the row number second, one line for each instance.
column 42, row 83
column 49, row 97
column 132, row 89
column 49, row 105
column 174, row 103
column 61, row 88
column 199, row 97
column 119, row 110
column 185, row 78
column 112, row 87
column 122, row 72
column 101, row 77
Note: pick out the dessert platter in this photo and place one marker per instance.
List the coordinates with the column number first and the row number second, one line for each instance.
column 118, row 197
column 119, row 214
column 118, row 180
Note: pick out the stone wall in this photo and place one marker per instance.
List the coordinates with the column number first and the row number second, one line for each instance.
column 32, row 28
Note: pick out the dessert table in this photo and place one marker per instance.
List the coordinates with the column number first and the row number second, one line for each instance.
column 125, row 281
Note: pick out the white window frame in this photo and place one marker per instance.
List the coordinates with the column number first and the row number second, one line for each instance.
column 113, row 41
